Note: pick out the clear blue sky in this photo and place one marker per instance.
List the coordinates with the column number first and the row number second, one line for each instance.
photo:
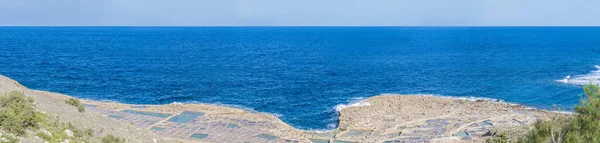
column 300, row 12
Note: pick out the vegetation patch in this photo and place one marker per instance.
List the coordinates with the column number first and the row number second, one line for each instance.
column 112, row 139
column 582, row 127
column 44, row 136
column 75, row 102
column 55, row 131
column 8, row 139
column 499, row 138
column 18, row 114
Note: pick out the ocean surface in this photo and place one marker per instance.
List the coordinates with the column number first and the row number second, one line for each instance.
column 302, row 73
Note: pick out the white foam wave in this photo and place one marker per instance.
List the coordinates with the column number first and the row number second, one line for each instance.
column 177, row 103
column 473, row 99
column 330, row 128
column 561, row 112
column 356, row 102
column 467, row 98
column 360, row 102
column 103, row 100
column 492, row 100
column 278, row 115
column 584, row 79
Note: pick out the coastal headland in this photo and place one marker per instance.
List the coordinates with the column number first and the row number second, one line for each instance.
column 386, row 118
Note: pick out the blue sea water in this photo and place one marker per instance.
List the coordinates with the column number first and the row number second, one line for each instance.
column 300, row 73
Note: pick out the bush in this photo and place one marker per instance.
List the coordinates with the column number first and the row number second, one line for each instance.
column 44, row 136
column 9, row 139
column 75, row 102
column 553, row 130
column 56, row 131
column 584, row 126
column 499, row 138
column 78, row 133
column 88, row 132
column 17, row 113
column 112, row 139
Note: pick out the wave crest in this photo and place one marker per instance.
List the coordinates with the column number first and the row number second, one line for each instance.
column 356, row 102
column 584, row 79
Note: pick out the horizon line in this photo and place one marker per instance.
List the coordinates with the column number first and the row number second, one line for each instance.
column 299, row 26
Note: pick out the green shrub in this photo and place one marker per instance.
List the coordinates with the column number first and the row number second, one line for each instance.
column 17, row 113
column 88, row 132
column 57, row 130
column 10, row 139
column 582, row 127
column 499, row 138
column 78, row 133
column 112, row 139
column 44, row 136
column 586, row 123
column 75, row 102
column 553, row 130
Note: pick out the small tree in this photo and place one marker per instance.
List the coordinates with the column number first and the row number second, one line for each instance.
column 75, row 102
column 586, row 124
column 583, row 127
column 17, row 113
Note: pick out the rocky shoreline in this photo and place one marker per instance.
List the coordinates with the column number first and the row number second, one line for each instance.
column 384, row 118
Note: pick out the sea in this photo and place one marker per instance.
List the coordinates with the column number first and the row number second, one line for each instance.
column 304, row 75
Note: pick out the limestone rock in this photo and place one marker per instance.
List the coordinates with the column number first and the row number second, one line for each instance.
column 69, row 132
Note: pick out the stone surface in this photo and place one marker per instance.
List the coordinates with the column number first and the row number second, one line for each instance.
column 69, row 133
column 382, row 121
column 385, row 118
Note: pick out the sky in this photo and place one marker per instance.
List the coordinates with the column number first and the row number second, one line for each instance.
column 300, row 12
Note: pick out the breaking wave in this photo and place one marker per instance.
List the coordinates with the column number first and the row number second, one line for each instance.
column 355, row 102
column 584, row 79
column 360, row 102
